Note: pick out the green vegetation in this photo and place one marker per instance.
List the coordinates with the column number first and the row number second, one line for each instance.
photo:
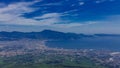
column 47, row 61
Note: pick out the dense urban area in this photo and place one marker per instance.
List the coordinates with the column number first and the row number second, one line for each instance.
column 26, row 53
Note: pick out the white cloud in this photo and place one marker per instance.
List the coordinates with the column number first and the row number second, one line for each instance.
column 98, row 1
column 101, row 1
column 70, row 25
column 17, row 8
column 51, row 4
column 82, row 3
column 48, row 15
column 49, row 18
column 12, row 14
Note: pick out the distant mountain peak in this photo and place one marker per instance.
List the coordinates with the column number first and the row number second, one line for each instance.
column 48, row 35
column 46, row 30
column 50, row 31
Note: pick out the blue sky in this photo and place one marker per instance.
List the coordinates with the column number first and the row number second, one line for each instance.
column 79, row 16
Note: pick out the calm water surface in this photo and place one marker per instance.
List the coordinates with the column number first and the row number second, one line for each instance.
column 112, row 43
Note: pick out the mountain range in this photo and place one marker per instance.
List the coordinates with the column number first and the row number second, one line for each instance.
column 49, row 35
